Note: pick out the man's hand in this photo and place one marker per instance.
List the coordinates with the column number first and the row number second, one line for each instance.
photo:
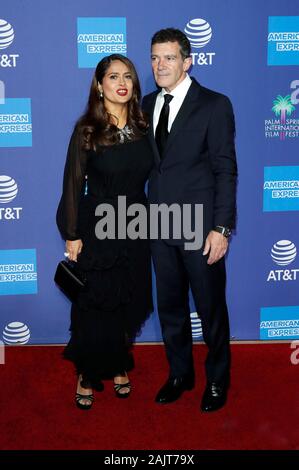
column 217, row 245
column 73, row 248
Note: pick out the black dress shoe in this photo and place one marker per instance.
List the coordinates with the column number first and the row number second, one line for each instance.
column 214, row 397
column 173, row 389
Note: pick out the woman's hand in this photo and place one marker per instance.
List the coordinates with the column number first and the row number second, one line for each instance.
column 73, row 248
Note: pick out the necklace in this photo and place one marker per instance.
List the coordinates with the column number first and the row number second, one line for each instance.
column 125, row 133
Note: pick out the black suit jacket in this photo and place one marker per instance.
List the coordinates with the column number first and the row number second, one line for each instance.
column 199, row 163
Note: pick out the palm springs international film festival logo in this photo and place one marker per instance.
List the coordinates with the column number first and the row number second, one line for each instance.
column 99, row 37
column 8, row 192
column 16, row 333
column 283, row 253
column 284, row 125
column 199, row 33
column 6, row 39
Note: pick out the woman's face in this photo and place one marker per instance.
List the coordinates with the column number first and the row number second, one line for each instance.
column 117, row 84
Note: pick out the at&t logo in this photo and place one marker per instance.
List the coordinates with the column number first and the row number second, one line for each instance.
column 8, row 191
column 283, row 253
column 16, row 333
column 196, row 326
column 6, row 39
column 199, row 33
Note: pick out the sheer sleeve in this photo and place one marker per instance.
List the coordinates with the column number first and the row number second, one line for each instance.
column 73, row 189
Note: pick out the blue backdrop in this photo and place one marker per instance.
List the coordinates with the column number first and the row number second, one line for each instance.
column 249, row 51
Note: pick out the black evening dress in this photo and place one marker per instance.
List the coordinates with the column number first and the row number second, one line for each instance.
column 106, row 317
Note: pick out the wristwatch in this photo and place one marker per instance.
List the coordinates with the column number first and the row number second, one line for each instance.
column 225, row 231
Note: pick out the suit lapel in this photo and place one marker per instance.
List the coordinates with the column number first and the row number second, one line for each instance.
column 190, row 102
column 151, row 131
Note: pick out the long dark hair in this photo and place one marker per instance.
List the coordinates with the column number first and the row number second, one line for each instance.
column 95, row 125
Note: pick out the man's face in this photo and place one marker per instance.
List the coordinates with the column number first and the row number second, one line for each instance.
column 168, row 65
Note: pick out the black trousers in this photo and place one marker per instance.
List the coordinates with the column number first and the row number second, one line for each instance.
column 176, row 269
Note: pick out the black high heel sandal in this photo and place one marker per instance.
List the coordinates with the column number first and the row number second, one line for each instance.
column 84, row 406
column 119, row 387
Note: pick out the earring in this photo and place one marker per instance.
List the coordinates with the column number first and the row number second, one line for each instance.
column 101, row 95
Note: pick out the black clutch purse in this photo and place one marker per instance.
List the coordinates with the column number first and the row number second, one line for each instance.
column 70, row 279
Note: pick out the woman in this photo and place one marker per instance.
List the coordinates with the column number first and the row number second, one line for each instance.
column 108, row 156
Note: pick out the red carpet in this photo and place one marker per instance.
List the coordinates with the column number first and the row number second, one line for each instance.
column 38, row 412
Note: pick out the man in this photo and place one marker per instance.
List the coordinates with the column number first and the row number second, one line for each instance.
column 192, row 135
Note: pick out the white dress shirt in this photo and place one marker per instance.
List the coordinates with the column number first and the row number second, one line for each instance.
column 179, row 93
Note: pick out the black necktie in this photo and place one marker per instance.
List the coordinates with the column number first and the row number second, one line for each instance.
column 162, row 127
